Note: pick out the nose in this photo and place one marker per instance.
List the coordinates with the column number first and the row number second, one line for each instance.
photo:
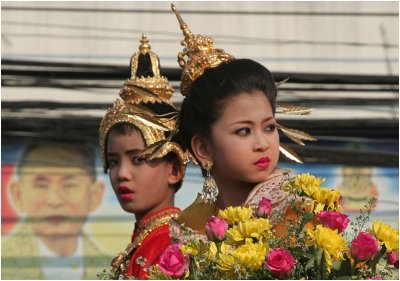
column 260, row 142
column 124, row 172
column 54, row 198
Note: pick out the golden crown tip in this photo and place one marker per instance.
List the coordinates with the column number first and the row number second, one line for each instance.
column 144, row 46
column 173, row 7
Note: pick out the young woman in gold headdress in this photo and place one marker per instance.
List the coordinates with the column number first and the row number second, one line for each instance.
column 144, row 161
column 228, row 122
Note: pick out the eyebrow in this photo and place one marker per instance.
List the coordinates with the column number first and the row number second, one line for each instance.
column 130, row 151
column 250, row 122
column 41, row 178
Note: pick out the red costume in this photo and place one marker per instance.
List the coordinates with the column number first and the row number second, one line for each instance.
column 150, row 238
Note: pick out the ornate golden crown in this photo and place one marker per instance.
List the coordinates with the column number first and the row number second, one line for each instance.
column 136, row 93
column 153, row 82
column 201, row 56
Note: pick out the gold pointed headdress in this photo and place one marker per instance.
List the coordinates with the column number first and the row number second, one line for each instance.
column 201, row 55
column 141, row 94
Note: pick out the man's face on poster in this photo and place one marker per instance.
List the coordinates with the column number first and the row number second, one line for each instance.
column 56, row 199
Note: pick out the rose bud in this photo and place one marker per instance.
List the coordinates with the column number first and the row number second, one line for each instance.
column 264, row 208
column 216, row 228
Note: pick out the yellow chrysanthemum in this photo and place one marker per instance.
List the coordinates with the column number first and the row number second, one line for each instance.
column 212, row 251
column 326, row 199
column 235, row 214
column 308, row 183
column 251, row 255
column 331, row 242
column 189, row 249
column 248, row 255
column 225, row 248
column 227, row 263
column 385, row 235
column 253, row 228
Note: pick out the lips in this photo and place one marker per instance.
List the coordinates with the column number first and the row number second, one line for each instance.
column 124, row 192
column 262, row 163
column 56, row 219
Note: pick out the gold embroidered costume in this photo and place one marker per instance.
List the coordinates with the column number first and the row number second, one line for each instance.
column 150, row 238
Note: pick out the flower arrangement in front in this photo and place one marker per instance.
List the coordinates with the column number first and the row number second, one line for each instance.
column 240, row 242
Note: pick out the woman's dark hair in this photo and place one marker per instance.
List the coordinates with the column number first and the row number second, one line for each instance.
column 205, row 101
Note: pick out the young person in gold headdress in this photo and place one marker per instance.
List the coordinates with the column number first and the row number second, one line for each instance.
column 228, row 122
column 144, row 161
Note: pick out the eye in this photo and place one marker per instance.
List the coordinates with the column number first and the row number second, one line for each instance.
column 270, row 128
column 243, row 131
column 112, row 163
column 138, row 160
column 70, row 185
column 41, row 185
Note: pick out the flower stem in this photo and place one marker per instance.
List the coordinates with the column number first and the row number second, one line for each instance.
column 192, row 269
column 376, row 259
column 322, row 266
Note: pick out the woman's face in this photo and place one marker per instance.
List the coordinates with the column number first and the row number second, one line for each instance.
column 244, row 141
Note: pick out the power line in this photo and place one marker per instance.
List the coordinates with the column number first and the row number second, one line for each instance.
column 229, row 39
column 200, row 12
column 113, row 72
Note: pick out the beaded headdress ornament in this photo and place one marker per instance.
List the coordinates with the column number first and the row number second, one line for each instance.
column 142, row 91
column 201, row 55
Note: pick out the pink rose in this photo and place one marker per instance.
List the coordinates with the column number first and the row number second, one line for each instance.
column 364, row 246
column 173, row 262
column 280, row 262
column 333, row 220
column 264, row 208
column 216, row 228
column 340, row 200
column 393, row 259
column 375, row 278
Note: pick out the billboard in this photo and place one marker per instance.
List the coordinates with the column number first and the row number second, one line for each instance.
column 61, row 218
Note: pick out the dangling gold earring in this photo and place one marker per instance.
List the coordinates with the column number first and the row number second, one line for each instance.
column 210, row 190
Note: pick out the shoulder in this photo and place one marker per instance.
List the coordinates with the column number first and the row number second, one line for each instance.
column 271, row 188
column 21, row 241
column 149, row 251
column 156, row 241
column 93, row 254
column 196, row 215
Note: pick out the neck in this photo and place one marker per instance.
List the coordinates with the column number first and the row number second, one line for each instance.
column 232, row 193
column 63, row 245
column 165, row 204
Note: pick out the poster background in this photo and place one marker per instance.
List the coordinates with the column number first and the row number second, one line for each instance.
column 111, row 227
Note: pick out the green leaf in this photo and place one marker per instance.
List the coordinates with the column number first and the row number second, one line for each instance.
column 343, row 277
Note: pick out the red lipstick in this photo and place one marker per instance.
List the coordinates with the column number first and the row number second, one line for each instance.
column 262, row 163
column 124, row 192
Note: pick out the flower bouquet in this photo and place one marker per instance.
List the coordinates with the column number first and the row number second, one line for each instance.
column 240, row 242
